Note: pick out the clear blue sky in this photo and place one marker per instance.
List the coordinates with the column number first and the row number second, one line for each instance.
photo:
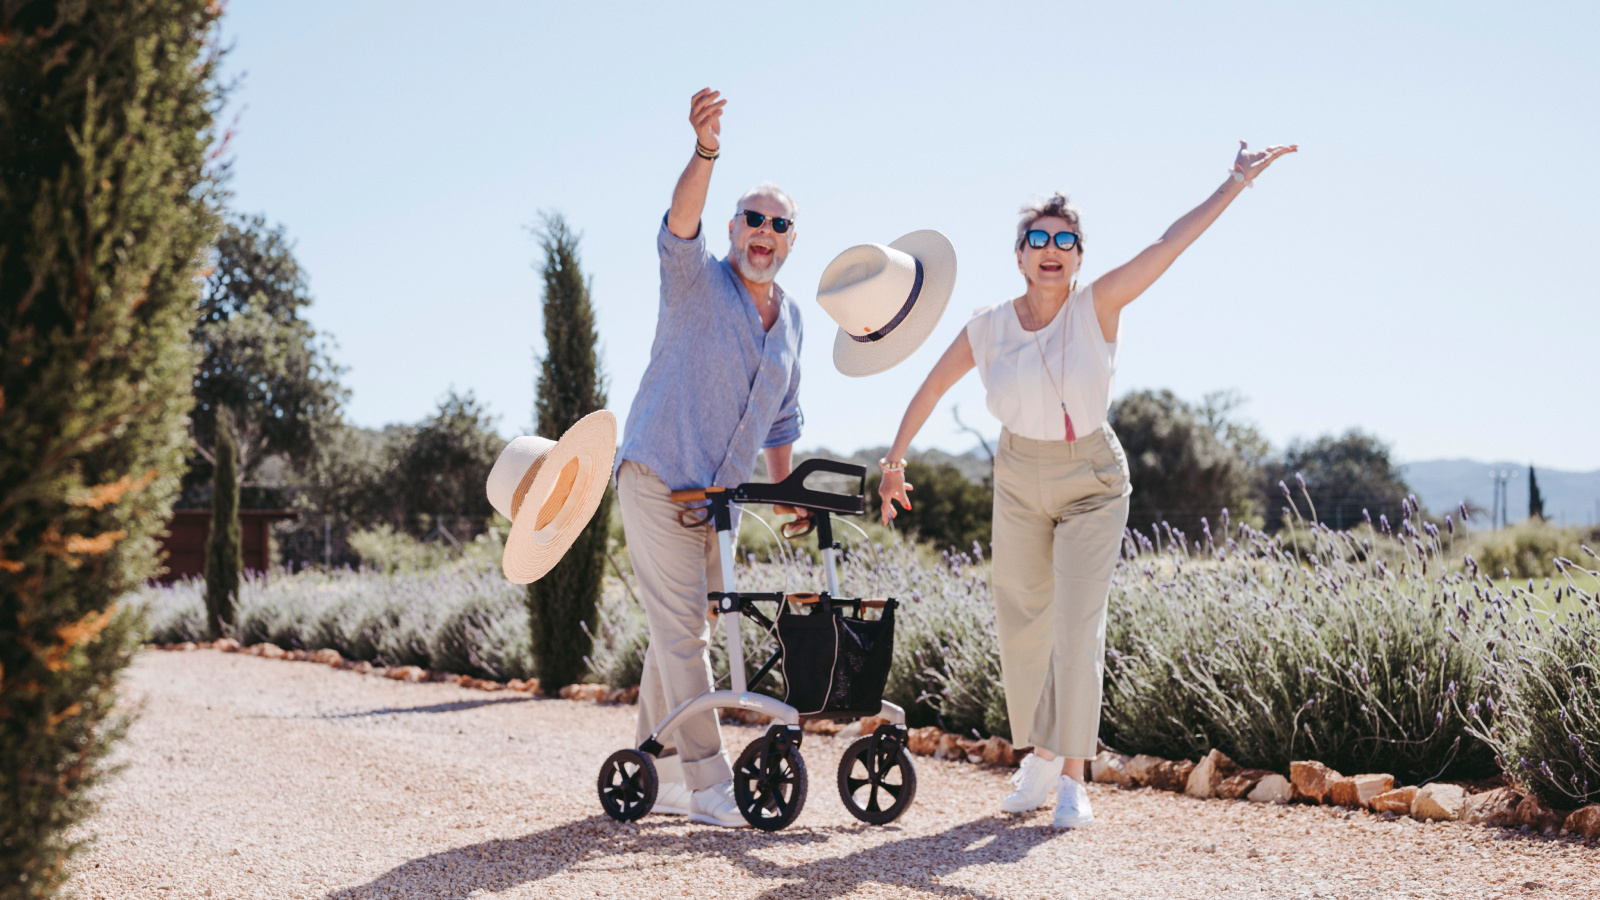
column 1423, row 269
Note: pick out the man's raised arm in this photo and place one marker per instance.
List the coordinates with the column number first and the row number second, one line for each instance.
column 689, row 197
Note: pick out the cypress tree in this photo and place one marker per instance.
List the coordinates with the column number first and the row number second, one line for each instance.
column 1535, row 499
column 562, row 605
column 106, row 204
column 224, row 545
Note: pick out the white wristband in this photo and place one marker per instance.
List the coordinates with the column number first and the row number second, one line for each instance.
column 1238, row 175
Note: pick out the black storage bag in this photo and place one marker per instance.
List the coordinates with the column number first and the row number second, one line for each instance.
column 833, row 663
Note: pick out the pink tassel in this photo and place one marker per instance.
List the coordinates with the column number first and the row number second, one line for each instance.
column 1071, row 434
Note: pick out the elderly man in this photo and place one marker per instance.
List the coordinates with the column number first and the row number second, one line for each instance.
column 722, row 382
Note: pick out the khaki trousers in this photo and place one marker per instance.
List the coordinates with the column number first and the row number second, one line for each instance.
column 675, row 567
column 1059, row 514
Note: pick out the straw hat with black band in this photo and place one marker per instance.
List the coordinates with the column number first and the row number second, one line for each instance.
column 549, row 490
column 886, row 299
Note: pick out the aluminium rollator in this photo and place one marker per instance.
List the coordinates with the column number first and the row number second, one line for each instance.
column 834, row 666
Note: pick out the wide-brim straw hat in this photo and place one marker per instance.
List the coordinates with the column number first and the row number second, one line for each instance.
column 886, row 299
column 550, row 490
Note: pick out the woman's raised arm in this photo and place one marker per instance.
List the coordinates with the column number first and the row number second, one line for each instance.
column 956, row 362
column 1120, row 286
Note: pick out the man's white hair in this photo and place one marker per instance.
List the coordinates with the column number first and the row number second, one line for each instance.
column 768, row 189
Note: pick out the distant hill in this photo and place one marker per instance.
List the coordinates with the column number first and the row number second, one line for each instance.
column 1570, row 498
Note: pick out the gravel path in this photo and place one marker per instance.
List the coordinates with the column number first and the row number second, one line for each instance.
column 252, row 778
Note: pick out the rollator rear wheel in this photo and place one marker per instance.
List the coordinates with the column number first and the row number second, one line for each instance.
column 628, row 785
column 769, row 782
column 876, row 779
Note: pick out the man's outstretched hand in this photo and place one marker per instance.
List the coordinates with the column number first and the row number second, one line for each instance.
column 705, row 114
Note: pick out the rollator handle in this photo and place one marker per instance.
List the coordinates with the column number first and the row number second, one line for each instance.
column 792, row 490
column 690, row 495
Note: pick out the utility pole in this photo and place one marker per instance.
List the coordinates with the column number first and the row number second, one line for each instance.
column 1500, row 513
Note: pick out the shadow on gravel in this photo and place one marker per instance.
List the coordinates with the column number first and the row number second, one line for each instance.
column 597, row 844
column 456, row 706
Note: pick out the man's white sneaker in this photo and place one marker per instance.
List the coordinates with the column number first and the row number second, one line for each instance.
column 715, row 806
column 674, row 799
column 1073, row 809
column 1034, row 779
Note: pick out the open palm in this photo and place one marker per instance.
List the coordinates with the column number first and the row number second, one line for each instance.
column 1251, row 163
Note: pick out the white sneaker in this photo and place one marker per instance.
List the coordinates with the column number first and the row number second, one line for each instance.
column 715, row 806
column 673, row 798
column 1034, row 779
column 1073, row 809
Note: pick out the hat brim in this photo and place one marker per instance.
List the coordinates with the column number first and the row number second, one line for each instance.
column 859, row 359
column 580, row 464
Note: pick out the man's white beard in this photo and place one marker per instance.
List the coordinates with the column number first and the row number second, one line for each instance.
column 750, row 272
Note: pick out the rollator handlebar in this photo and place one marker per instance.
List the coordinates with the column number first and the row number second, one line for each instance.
column 730, row 601
column 792, row 490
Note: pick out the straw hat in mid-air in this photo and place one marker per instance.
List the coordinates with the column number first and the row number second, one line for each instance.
column 886, row 299
column 549, row 490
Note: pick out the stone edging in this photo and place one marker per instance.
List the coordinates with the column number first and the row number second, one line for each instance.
column 1217, row 776
column 1213, row 777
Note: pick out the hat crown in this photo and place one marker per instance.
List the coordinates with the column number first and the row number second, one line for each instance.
column 514, row 471
column 866, row 286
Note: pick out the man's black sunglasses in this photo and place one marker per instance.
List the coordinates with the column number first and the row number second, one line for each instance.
column 1038, row 239
column 754, row 220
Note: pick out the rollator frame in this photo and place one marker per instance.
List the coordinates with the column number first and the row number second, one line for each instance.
column 885, row 747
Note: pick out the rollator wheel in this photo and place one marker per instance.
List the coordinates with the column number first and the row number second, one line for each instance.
column 628, row 785
column 876, row 779
column 769, row 782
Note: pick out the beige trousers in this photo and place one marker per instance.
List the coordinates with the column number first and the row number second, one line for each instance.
column 675, row 567
column 1059, row 514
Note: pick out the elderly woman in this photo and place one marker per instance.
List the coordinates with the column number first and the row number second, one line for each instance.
column 1048, row 359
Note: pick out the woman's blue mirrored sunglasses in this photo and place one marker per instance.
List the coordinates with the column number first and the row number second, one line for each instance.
column 1038, row 239
column 754, row 220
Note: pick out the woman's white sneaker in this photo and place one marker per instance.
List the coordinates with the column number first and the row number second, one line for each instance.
column 1073, row 809
column 715, row 806
column 1034, row 780
column 674, row 799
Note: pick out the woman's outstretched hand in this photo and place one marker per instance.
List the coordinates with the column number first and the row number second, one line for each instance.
column 1251, row 163
column 893, row 488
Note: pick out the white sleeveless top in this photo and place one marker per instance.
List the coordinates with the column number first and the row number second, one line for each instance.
column 1025, row 396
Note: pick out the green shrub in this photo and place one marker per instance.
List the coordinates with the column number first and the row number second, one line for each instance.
column 105, row 208
column 947, row 510
column 1542, row 712
column 1185, row 462
column 1530, row 548
column 386, row 550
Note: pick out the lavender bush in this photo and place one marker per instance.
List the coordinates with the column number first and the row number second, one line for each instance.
column 463, row 617
column 1542, row 712
column 1360, row 652
column 1372, row 650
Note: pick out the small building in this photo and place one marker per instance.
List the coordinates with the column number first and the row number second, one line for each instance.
column 184, row 544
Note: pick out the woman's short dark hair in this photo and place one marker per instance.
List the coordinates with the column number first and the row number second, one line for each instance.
column 1055, row 206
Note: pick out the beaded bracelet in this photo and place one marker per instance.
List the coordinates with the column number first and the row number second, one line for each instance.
column 888, row 467
column 705, row 152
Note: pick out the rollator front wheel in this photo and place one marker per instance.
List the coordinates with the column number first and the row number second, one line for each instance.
column 628, row 785
column 876, row 779
column 769, row 782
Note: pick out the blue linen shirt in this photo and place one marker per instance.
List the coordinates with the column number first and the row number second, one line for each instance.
column 718, row 387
